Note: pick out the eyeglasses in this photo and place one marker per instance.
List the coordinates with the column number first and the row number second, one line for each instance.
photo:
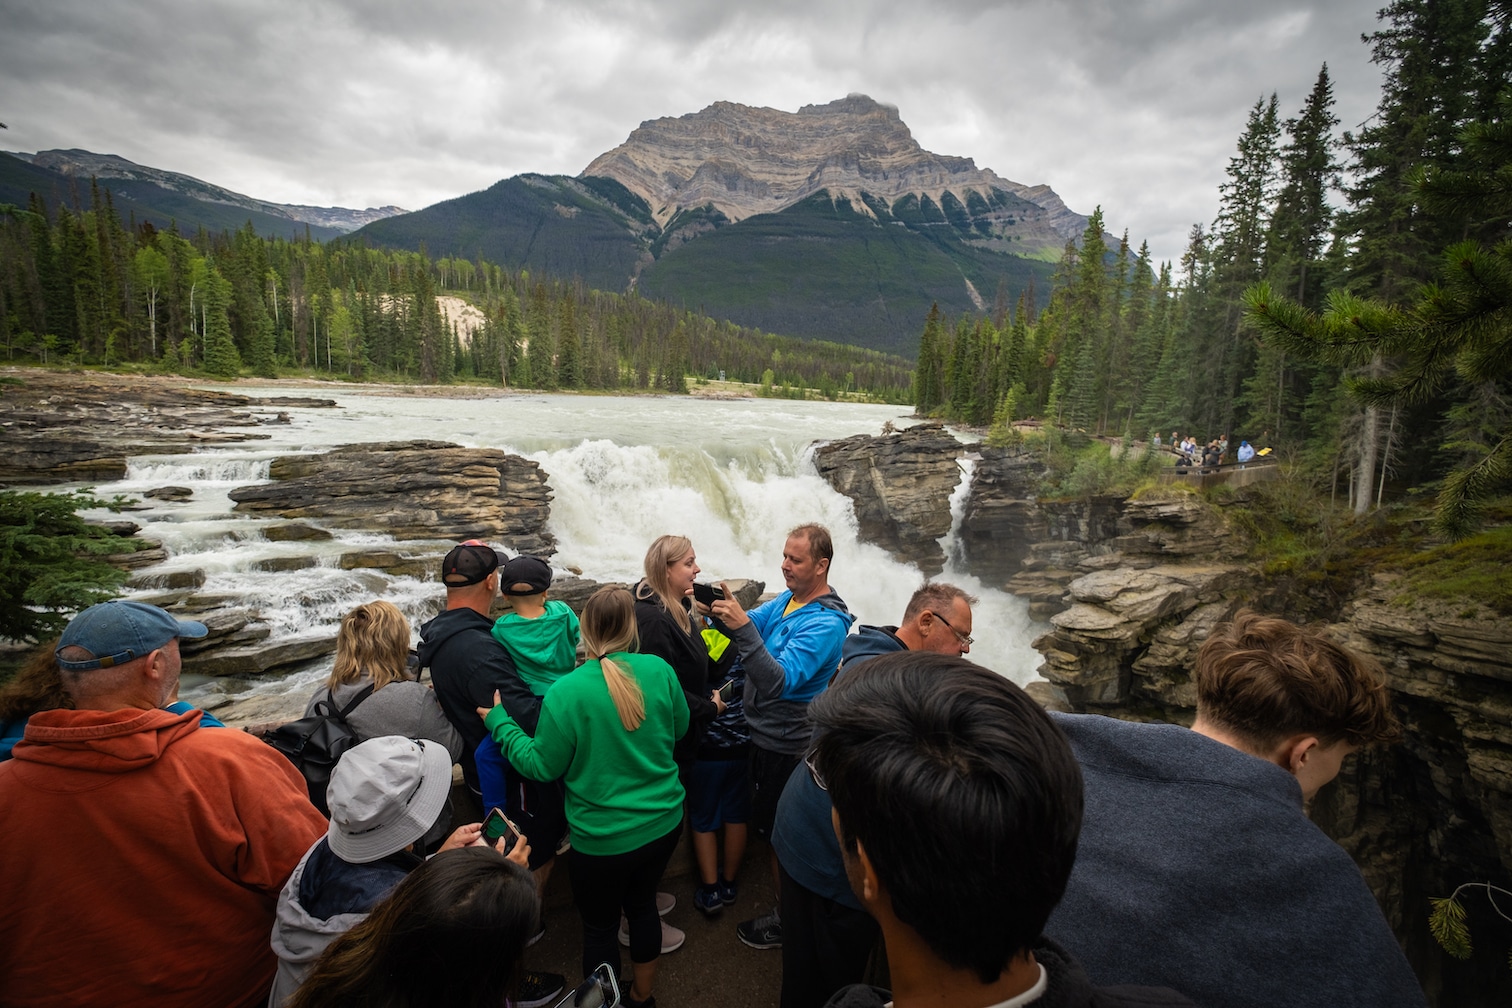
column 965, row 639
column 813, row 770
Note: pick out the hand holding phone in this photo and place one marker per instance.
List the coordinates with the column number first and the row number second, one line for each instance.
column 706, row 594
column 497, row 826
column 727, row 691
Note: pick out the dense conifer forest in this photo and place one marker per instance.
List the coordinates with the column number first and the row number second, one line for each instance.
column 1350, row 306
column 78, row 285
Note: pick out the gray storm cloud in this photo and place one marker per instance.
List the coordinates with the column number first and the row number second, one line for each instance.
column 1131, row 106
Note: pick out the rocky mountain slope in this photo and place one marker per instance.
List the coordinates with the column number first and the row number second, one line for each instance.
column 142, row 184
column 743, row 161
column 831, row 223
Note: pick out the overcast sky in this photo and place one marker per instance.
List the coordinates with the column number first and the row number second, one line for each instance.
column 1134, row 105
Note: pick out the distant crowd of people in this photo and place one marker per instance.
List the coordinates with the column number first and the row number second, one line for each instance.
column 1190, row 451
column 936, row 836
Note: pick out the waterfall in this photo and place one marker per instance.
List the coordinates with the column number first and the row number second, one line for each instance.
column 732, row 476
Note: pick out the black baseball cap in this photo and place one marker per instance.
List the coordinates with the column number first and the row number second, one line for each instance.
column 469, row 563
column 531, row 571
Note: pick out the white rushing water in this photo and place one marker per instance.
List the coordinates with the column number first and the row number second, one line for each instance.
column 732, row 475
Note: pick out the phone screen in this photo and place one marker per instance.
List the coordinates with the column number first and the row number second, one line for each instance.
column 495, row 825
column 727, row 691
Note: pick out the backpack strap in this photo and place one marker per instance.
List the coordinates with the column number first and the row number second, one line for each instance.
column 362, row 695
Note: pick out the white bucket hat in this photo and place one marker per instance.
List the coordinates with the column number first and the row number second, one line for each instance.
column 385, row 794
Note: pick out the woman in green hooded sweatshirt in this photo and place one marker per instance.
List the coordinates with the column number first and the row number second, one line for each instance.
column 607, row 729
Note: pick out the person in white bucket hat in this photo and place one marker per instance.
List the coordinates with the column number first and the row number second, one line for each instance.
column 390, row 809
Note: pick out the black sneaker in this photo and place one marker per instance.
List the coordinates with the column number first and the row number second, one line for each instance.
column 706, row 898
column 540, row 989
column 764, row 932
column 727, row 892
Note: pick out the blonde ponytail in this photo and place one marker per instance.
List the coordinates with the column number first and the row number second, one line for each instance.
column 608, row 626
column 626, row 694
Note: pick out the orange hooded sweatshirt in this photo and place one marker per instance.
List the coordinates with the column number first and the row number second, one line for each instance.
column 143, row 857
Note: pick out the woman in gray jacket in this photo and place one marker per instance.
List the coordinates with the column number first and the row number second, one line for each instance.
column 372, row 649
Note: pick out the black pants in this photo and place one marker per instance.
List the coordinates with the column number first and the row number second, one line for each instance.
column 604, row 885
column 769, row 775
column 825, row 945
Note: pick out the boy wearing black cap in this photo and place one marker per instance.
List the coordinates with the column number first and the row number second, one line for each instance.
column 541, row 637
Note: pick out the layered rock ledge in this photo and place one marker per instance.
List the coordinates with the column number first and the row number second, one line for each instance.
column 58, row 427
column 900, row 484
column 412, row 490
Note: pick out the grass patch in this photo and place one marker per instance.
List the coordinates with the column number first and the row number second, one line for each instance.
column 1475, row 569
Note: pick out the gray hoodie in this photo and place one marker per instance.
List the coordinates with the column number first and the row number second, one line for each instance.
column 405, row 707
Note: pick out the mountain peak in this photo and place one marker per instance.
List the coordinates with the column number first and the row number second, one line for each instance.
column 745, row 161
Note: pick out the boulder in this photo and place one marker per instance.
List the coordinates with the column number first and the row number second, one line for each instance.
column 260, row 658
column 294, row 532
column 412, row 490
column 900, row 484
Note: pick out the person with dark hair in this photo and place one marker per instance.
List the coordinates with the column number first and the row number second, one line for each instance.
column 1198, row 866
column 829, row 936
column 144, row 855
column 37, row 686
column 790, row 649
column 390, row 810
column 607, row 730
column 452, row 935
column 957, row 804
column 372, row 653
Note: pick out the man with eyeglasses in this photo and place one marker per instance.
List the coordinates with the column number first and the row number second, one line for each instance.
column 828, row 935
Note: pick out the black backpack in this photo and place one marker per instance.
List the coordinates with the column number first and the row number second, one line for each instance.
column 314, row 744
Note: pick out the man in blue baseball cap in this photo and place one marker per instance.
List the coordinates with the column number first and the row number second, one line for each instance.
column 146, row 848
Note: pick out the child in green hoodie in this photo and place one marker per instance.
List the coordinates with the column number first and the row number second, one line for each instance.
column 541, row 637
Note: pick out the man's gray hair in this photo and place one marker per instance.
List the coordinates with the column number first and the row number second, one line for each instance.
column 935, row 595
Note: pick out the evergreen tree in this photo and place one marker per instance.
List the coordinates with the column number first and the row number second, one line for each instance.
column 929, row 375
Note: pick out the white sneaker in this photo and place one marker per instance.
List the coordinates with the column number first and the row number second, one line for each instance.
column 672, row 938
column 665, row 901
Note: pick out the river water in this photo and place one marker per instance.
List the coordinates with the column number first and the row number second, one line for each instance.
column 732, row 475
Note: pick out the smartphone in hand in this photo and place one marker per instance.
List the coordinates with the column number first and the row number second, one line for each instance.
column 495, row 825
column 727, row 691
column 706, row 594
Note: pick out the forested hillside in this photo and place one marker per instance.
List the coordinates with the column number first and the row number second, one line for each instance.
column 1378, row 338
column 77, row 286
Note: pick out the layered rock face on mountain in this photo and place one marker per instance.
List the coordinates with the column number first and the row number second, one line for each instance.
column 744, row 161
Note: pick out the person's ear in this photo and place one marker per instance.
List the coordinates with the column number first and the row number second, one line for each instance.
column 1298, row 751
column 822, row 566
column 871, row 886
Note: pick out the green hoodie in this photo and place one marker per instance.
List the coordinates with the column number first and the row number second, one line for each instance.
column 622, row 786
column 545, row 648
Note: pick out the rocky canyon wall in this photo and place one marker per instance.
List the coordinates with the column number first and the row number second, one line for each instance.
column 1130, row 588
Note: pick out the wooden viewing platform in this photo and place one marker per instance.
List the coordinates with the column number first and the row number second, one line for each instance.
column 1232, row 473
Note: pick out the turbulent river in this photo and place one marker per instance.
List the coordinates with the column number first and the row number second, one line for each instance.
column 732, row 475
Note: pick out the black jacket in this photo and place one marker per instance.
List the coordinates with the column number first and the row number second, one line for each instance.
column 685, row 652
column 467, row 665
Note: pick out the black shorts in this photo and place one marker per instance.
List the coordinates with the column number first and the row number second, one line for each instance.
column 769, row 773
column 540, row 810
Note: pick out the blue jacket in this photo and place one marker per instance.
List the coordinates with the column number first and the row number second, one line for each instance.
column 1198, row 869
column 788, row 661
column 803, row 835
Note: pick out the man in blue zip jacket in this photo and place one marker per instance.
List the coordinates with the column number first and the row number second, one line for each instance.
column 790, row 649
